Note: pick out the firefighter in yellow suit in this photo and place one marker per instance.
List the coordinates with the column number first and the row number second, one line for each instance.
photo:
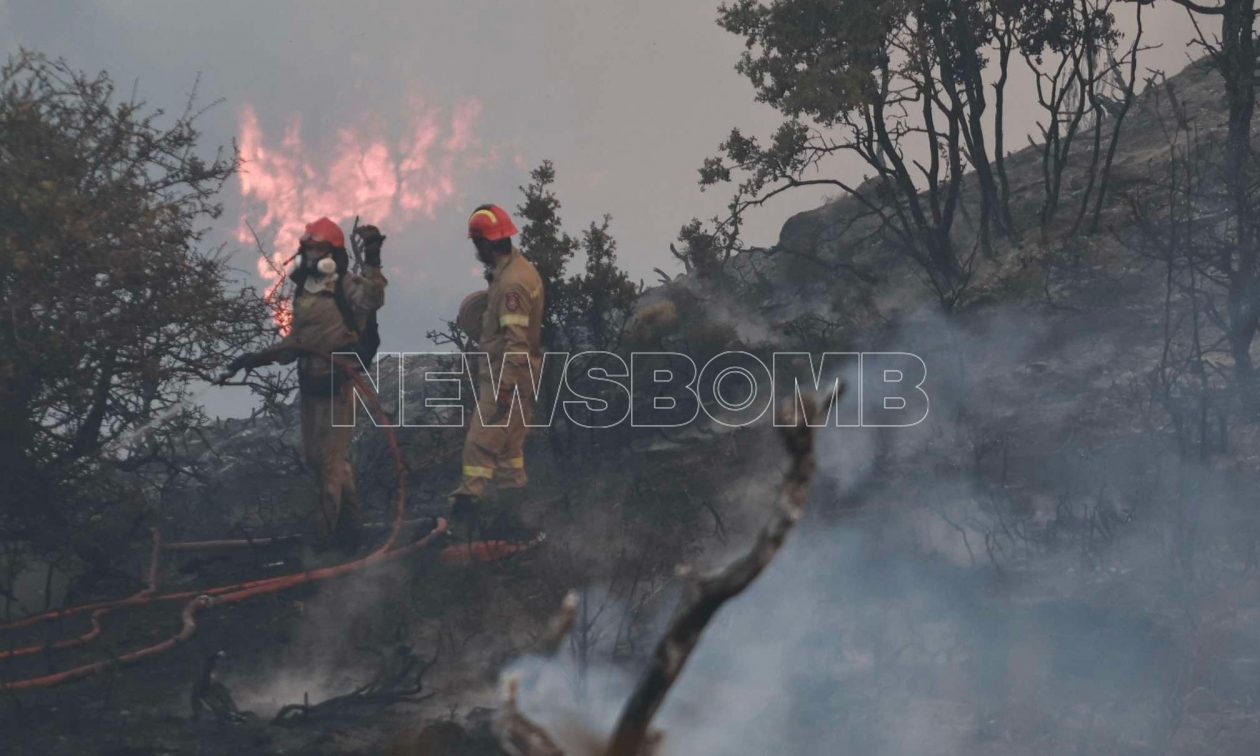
column 510, row 335
column 330, row 310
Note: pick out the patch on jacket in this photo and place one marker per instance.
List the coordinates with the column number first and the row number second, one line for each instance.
column 513, row 301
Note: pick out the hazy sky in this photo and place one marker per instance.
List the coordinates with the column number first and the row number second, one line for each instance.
column 626, row 98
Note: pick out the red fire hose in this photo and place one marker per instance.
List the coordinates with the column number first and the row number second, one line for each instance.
column 227, row 594
column 461, row 554
column 202, row 601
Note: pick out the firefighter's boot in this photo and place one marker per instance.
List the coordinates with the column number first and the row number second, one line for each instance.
column 465, row 517
column 348, row 535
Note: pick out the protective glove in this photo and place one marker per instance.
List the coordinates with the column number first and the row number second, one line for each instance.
column 372, row 239
column 242, row 362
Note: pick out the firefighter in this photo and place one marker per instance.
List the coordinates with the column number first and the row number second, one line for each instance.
column 509, row 333
column 332, row 312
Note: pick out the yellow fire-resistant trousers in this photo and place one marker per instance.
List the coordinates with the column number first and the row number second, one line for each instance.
column 494, row 450
column 327, row 450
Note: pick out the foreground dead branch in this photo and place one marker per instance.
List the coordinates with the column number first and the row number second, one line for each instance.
column 400, row 679
column 211, row 695
column 517, row 734
column 705, row 595
column 559, row 626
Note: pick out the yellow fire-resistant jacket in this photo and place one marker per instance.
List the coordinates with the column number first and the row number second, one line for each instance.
column 511, row 329
column 318, row 324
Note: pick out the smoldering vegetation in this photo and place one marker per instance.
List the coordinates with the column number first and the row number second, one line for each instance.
column 1030, row 570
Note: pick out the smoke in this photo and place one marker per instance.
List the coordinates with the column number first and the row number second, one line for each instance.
column 328, row 653
column 1020, row 577
column 846, row 646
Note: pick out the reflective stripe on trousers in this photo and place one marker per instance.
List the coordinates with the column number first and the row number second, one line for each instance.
column 495, row 452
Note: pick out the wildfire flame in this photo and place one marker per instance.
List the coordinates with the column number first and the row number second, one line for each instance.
column 386, row 182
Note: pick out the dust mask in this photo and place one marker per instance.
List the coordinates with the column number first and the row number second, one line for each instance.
column 326, row 266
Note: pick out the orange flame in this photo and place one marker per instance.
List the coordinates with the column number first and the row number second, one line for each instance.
column 283, row 187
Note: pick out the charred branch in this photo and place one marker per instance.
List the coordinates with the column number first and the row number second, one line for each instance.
column 399, row 679
column 707, row 594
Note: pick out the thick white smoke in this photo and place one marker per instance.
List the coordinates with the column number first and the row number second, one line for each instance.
column 912, row 613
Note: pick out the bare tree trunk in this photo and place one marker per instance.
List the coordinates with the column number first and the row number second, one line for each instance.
column 1130, row 94
column 1237, row 61
column 1005, row 43
column 1234, row 57
column 633, row 736
column 707, row 594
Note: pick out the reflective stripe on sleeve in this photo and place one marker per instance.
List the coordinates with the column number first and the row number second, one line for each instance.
column 511, row 320
column 516, row 463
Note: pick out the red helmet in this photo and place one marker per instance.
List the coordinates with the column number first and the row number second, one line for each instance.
column 324, row 231
column 490, row 222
